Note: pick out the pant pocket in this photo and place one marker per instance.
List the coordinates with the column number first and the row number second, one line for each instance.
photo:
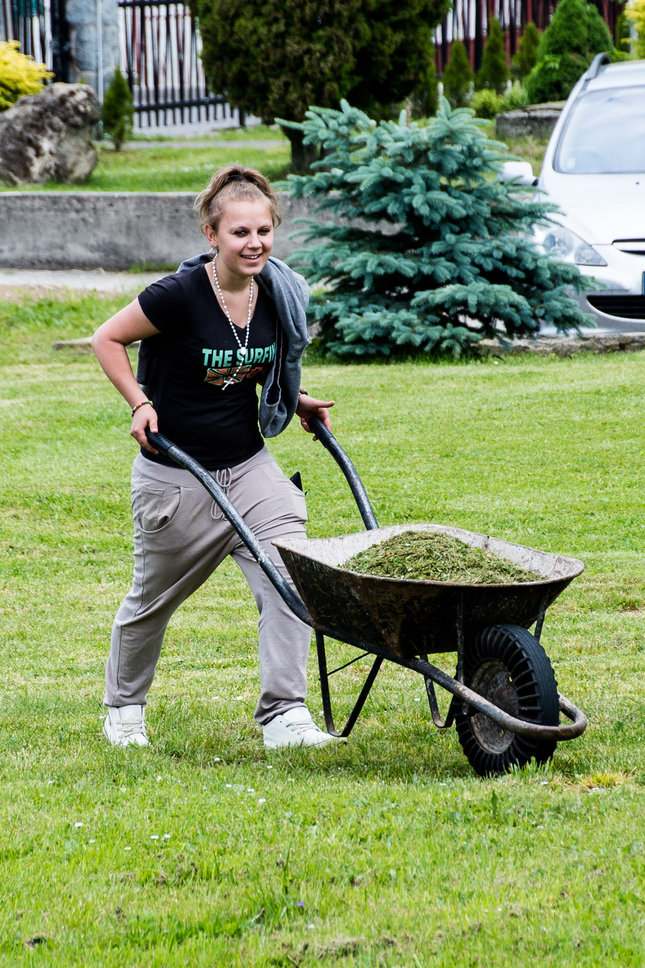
column 154, row 506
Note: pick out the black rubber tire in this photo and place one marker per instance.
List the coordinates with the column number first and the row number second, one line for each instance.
column 507, row 665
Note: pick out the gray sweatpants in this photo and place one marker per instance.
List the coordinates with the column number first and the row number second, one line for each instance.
column 180, row 538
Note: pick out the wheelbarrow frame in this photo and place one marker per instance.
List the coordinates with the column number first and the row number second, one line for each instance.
column 460, row 692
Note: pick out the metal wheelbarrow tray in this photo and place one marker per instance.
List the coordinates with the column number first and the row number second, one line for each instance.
column 505, row 702
column 412, row 617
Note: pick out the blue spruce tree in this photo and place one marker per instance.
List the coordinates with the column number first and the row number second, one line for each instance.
column 427, row 251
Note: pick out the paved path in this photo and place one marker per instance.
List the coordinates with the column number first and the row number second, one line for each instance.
column 259, row 144
column 16, row 281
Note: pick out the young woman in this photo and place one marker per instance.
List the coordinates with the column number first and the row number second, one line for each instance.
column 213, row 333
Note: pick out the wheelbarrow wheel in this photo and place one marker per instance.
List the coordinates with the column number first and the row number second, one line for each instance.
column 507, row 665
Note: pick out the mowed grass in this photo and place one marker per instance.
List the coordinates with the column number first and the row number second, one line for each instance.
column 167, row 163
column 180, row 164
column 207, row 850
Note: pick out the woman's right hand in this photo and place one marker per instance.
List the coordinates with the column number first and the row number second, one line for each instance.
column 110, row 343
column 144, row 419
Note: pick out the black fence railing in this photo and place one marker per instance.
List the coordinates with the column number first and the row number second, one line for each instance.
column 41, row 29
column 160, row 54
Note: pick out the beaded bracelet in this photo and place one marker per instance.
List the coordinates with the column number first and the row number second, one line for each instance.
column 142, row 404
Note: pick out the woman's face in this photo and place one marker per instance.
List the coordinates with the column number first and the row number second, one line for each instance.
column 244, row 238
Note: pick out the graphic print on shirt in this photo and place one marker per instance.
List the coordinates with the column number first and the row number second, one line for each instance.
column 224, row 367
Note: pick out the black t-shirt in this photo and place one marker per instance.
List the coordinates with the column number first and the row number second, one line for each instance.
column 202, row 387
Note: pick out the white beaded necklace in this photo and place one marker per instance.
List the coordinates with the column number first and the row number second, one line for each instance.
column 243, row 349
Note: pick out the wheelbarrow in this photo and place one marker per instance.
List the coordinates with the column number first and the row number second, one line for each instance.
column 504, row 702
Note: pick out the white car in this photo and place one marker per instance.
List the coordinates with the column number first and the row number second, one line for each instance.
column 594, row 171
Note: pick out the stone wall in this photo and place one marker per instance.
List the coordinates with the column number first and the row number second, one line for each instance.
column 92, row 230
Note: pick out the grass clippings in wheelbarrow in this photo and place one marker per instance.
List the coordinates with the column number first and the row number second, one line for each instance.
column 422, row 555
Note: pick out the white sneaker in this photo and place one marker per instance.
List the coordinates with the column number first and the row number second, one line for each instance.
column 125, row 726
column 294, row 728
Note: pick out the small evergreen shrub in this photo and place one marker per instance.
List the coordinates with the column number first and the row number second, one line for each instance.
column 458, row 76
column 19, row 74
column 622, row 34
column 515, row 98
column 117, row 111
column 494, row 73
column 575, row 34
column 426, row 251
column 635, row 14
column 525, row 57
column 486, row 103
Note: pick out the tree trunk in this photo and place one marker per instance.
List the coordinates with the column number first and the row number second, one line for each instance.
column 302, row 156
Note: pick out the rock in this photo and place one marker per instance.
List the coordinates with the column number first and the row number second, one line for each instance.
column 47, row 136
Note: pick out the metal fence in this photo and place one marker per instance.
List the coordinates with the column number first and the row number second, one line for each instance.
column 160, row 55
column 41, row 29
column 28, row 22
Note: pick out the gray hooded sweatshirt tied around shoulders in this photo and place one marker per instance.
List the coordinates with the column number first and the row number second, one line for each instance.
column 289, row 293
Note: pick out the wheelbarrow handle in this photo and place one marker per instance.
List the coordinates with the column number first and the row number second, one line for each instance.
column 328, row 441
column 229, row 510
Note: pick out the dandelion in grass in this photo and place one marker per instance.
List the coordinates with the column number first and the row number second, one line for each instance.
column 79, row 823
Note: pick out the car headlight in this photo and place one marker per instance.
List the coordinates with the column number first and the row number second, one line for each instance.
column 565, row 246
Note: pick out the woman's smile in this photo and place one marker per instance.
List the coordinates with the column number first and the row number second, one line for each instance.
column 243, row 239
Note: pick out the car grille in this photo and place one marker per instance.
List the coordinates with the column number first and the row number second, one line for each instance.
column 625, row 307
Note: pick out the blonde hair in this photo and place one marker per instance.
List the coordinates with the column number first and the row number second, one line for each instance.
column 234, row 182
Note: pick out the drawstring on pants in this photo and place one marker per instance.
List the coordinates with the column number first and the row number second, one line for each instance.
column 223, row 478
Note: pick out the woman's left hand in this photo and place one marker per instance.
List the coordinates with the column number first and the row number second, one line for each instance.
column 312, row 407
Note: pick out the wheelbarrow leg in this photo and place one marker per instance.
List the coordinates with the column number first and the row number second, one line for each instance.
column 430, row 691
column 434, row 705
column 326, row 696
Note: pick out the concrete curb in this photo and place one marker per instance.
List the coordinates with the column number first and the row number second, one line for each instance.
column 543, row 346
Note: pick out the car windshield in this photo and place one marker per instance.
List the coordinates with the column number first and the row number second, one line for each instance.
column 605, row 134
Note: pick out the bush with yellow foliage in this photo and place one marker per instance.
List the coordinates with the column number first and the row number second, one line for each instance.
column 20, row 74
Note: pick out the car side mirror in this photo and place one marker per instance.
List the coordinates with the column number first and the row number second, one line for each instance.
column 520, row 172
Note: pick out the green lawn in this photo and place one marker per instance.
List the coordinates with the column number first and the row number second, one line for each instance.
column 165, row 163
column 171, row 164
column 207, row 850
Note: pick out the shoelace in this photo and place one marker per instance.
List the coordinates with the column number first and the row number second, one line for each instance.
column 303, row 726
column 130, row 729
